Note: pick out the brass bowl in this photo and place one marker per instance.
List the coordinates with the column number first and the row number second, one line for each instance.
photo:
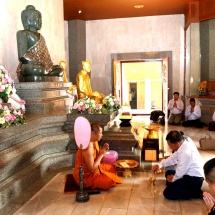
column 130, row 163
column 153, row 131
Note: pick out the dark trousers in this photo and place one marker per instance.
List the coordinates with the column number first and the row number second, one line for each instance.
column 193, row 123
column 184, row 188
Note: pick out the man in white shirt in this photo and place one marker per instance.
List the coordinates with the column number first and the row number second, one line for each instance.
column 186, row 181
column 209, row 170
column 193, row 114
column 176, row 106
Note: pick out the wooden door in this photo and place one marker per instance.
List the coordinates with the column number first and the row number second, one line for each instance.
column 117, row 79
column 165, row 85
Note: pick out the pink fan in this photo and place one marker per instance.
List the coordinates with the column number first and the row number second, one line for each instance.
column 82, row 131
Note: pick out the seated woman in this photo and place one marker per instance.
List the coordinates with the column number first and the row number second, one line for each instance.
column 96, row 174
column 84, row 86
column 34, row 57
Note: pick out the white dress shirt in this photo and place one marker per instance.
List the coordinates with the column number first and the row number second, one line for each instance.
column 188, row 161
column 178, row 109
column 196, row 114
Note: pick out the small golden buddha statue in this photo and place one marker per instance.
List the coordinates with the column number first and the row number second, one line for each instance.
column 64, row 67
column 83, row 84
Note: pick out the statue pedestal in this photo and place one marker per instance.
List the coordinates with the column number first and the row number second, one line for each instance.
column 45, row 97
column 102, row 119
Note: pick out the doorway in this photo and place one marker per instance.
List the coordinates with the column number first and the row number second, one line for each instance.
column 142, row 85
column 149, row 100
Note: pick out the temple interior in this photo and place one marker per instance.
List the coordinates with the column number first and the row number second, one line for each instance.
column 134, row 196
column 141, row 58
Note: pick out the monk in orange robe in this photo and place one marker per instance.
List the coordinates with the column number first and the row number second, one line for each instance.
column 96, row 174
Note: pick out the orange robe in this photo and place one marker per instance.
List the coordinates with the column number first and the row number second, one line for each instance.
column 104, row 177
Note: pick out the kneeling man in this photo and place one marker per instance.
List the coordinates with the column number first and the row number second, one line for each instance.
column 193, row 114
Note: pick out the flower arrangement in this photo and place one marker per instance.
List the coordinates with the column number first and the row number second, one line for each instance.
column 10, row 116
column 111, row 103
column 5, row 84
column 86, row 105
column 90, row 106
column 202, row 89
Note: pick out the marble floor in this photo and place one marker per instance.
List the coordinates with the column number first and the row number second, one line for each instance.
column 134, row 196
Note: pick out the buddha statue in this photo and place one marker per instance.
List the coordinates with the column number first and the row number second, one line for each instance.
column 64, row 67
column 35, row 61
column 83, row 84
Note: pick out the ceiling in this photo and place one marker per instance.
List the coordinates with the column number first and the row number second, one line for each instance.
column 109, row 9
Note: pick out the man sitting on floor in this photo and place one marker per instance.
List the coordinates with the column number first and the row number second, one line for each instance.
column 193, row 114
column 186, row 181
column 176, row 106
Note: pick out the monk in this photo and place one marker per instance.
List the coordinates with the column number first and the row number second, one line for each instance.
column 34, row 57
column 83, row 84
column 96, row 174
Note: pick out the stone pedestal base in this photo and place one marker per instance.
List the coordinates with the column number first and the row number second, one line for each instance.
column 102, row 119
column 44, row 97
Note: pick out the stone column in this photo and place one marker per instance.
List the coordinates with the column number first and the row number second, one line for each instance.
column 77, row 47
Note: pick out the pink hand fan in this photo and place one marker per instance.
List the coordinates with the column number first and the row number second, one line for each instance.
column 82, row 132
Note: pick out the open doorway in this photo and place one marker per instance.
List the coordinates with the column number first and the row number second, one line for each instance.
column 143, row 84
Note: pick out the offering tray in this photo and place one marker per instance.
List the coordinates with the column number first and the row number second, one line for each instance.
column 126, row 165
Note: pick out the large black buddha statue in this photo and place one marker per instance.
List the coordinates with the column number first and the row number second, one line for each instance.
column 35, row 61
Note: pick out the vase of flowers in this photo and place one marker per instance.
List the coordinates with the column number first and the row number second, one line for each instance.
column 90, row 106
column 202, row 89
column 6, row 83
column 111, row 104
column 86, row 106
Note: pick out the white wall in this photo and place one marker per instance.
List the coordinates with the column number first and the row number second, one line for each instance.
column 129, row 35
column 52, row 29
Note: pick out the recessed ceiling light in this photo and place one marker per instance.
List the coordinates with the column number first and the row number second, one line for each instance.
column 139, row 6
column 79, row 11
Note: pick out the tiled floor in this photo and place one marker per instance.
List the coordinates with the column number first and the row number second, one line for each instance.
column 134, row 196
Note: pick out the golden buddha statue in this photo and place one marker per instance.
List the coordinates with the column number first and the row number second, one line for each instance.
column 84, row 86
column 64, row 67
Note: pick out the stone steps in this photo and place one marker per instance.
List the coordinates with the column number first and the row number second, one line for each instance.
column 29, row 151
column 45, row 97
column 25, row 158
column 14, row 185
